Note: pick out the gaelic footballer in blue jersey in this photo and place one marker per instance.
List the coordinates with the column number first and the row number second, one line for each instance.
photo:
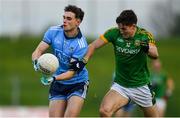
column 68, row 85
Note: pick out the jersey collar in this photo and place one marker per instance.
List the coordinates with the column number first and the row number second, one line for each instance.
column 79, row 35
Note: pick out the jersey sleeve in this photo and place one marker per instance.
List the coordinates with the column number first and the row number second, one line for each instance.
column 108, row 36
column 147, row 36
column 48, row 36
column 151, row 39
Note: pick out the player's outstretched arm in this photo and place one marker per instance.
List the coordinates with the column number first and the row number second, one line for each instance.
column 93, row 46
column 78, row 65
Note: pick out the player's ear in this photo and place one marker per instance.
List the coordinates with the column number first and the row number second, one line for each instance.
column 78, row 21
column 134, row 25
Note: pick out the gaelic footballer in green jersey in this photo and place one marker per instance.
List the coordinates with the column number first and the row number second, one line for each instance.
column 132, row 46
column 131, row 61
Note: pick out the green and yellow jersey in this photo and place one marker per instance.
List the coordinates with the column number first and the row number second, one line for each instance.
column 131, row 61
column 159, row 81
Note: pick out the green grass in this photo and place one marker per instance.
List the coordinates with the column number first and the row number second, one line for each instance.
column 15, row 64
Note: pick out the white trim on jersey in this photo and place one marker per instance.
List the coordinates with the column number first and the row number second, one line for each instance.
column 81, row 43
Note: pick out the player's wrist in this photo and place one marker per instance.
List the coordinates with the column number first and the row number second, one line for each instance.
column 85, row 60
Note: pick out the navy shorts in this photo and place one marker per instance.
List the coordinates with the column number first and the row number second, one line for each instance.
column 60, row 91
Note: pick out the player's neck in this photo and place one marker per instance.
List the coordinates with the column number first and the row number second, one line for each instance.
column 72, row 33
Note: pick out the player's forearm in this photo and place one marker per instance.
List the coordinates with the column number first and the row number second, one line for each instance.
column 36, row 54
column 90, row 52
column 41, row 48
column 65, row 76
column 153, row 53
column 93, row 46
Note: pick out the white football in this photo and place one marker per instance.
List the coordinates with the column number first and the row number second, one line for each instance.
column 48, row 63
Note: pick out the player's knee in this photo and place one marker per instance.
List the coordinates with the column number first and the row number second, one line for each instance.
column 105, row 111
column 71, row 113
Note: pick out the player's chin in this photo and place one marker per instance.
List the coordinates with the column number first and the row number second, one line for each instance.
column 66, row 29
column 125, row 36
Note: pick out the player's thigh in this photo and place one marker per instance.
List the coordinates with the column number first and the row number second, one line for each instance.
column 74, row 106
column 150, row 111
column 113, row 101
column 57, row 108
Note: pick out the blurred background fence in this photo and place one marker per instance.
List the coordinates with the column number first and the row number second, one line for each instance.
column 23, row 22
column 34, row 16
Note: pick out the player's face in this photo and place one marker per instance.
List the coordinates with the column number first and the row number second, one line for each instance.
column 127, row 31
column 70, row 22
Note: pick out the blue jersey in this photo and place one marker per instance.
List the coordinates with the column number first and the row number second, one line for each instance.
column 66, row 49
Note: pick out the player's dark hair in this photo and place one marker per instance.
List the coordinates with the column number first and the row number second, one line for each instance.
column 76, row 10
column 127, row 17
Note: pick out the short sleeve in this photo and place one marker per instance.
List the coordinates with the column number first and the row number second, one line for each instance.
column 151, row 39
column 48, row 37
column 109, row 35
column 147, row 36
